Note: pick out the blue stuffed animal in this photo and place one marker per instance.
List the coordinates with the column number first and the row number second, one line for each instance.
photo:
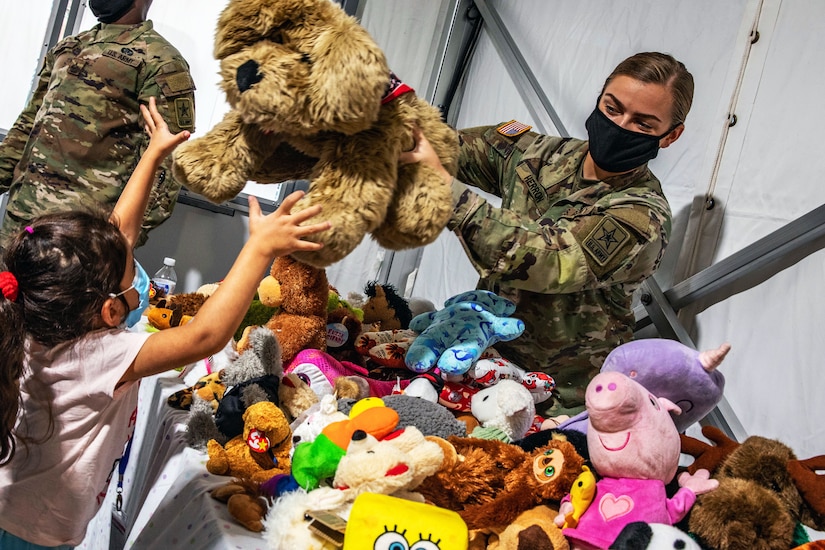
column 453, row 338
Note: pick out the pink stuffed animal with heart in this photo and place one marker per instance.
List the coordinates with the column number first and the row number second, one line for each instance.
column 634, row 447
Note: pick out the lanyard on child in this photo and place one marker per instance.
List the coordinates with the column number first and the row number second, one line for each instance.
column 121, row 469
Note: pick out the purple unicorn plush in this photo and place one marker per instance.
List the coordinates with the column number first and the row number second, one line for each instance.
column 669, row 369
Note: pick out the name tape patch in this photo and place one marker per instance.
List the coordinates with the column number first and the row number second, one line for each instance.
column 124, row 56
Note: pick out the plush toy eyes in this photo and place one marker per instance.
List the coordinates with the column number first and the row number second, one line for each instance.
column 653, row 402
column 425, row 545
column 550, row 471
column 304, row 378
column 391, row 540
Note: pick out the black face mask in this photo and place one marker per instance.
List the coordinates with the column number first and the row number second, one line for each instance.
column 615, row 149
column 109, row 11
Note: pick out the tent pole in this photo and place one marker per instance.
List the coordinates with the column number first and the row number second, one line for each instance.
column 667, row 324
column 540, row 107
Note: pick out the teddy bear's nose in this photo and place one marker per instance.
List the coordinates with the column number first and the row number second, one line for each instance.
column 248, row 75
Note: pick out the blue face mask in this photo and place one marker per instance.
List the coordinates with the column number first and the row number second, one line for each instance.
column 141, row 284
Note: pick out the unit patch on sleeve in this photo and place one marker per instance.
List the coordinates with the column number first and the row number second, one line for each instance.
column 605, row 240
column 513, row 128
column 183, row 112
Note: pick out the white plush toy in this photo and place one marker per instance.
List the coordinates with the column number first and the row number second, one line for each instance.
column 287, row 522
column 309, row 425
column 653, row 536
column 488, row 371
column 507, row 407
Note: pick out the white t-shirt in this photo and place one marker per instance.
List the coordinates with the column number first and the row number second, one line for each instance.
column 51, row 490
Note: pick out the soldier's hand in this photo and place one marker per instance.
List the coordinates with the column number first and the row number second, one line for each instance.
column 424, row 153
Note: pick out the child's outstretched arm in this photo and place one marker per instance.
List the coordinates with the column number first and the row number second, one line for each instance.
column 208, row 332
column 131, row 206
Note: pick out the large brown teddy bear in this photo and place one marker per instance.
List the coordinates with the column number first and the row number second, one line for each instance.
column 313, row 98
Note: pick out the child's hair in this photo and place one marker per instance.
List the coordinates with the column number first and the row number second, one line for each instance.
column 65, row 265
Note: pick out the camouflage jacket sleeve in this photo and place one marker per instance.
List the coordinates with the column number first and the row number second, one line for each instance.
column 606, row 238
column 11, row 149
column 172, row 86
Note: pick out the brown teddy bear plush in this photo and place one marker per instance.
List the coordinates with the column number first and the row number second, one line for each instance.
column 246, row 502
column 531, row 530
column 313, row 98
column 764, row 493
column 261, row 452
column 344, row 326
column 490, row 482
column 301, row 320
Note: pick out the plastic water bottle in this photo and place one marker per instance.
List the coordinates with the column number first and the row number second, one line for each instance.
column 165, row 279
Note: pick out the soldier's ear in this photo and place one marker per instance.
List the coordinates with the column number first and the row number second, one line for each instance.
column 672, row 136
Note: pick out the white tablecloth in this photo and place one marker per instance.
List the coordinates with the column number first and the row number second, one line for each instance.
column 166, row 503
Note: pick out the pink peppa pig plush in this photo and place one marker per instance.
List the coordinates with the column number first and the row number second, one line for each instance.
column 634, row 447
column 687, row 377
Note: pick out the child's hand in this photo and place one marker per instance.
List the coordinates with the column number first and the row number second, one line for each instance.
column 162, row 140
column 281, row 232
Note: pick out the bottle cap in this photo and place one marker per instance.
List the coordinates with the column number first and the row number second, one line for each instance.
column 169, row 261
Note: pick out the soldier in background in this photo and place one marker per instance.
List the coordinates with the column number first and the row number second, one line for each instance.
column 81, row 134
column 581, row 224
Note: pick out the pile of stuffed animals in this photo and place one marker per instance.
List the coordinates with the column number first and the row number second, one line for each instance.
column 358, row 422
column 319, row 408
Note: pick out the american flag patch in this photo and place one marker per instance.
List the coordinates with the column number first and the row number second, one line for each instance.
column 512, row 129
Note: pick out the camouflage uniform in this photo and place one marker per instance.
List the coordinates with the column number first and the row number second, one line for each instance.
column 81, row 135
column 568, row 251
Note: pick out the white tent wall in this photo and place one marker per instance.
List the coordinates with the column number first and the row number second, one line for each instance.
column 769, row 176
column 762, row 172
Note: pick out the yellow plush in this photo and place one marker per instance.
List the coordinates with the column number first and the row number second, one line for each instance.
column 313, row 98
column 261, row 452
column 384, row 521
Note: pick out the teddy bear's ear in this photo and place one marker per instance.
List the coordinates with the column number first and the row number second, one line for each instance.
column 235, row 29
column 349, row 73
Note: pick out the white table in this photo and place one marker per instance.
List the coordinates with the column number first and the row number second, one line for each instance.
column 166, row 502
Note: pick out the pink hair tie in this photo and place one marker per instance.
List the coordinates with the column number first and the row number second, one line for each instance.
column 8, row 285
column 30, row 230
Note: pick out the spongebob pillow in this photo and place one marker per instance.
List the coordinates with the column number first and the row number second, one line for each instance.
column 382, row 521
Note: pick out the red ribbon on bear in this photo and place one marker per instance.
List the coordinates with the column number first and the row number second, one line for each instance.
column 8, row 285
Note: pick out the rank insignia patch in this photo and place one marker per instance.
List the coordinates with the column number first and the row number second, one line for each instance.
column 605, row 240
column 513, row 128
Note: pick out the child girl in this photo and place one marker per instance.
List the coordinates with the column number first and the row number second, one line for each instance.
column 70, row 286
